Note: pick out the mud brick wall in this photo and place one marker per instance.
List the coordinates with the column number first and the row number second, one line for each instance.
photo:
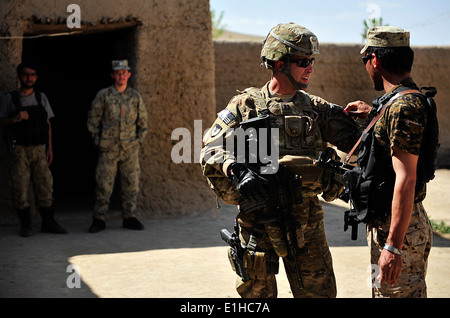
column 173, row 69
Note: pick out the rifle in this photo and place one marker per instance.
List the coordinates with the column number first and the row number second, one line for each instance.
column 236, row 251
column 284, row 190
column 326, row 161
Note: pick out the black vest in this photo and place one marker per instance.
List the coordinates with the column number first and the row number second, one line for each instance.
column 34, row 130
column 370, row 185
column 370, row 159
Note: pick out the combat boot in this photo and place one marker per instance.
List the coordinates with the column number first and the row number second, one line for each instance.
column 25, row 222
column 97, row 225
column 132, row 224
column 49, row 224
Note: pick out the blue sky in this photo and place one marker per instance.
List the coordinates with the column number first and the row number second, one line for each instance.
column 339, row 21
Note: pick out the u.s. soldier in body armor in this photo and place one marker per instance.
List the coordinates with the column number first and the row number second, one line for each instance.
column 305, row 124
column 117, row 122
column 27, row 113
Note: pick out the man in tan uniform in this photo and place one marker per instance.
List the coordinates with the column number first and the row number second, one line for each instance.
column 396, row 153
column 304, row 124
column 117, row 122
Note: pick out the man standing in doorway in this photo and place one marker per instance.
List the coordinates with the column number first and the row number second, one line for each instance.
column 117, row 122
column 26, row 113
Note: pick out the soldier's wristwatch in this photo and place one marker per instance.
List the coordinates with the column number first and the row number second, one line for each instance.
column 393, row 249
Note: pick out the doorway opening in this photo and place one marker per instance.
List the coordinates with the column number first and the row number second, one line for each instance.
column 72, row 69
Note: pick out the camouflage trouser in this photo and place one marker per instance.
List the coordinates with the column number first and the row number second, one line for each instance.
column 124, row 161
column 315, row 263
column 30, row 164
column 416, row 248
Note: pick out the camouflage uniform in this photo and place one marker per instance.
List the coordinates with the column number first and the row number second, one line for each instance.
column 402, row 125
column 305, row 124
column 30, row 163
column 118, row 125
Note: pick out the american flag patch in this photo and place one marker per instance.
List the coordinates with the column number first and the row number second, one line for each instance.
column 226, row 116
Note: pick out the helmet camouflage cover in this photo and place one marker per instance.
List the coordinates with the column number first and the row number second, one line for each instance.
column 289, row 39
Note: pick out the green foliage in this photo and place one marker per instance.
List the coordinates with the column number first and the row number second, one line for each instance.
column 217, row 27
column 370, row 24
column 440, row 227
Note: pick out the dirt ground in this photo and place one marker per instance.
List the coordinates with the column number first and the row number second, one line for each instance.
column 181, row 258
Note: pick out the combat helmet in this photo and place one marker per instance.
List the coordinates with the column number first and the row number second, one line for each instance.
column 286, row 40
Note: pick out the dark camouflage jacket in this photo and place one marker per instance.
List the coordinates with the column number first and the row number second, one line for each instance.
column 402, row 125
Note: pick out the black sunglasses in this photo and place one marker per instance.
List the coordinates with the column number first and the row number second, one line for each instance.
column 366, row 58
column 304, row 63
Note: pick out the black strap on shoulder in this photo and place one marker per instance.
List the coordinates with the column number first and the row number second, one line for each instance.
column 38, row 95
column 15, row 97
column 384, row 104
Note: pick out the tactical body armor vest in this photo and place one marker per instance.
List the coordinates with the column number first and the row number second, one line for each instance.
column 299, row 133
column 370, row 185
column 300, row 139
column 34, row 130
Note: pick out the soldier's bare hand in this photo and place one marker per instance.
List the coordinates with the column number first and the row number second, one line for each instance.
column 390, row 267
column 22, row 115
column 358, row 109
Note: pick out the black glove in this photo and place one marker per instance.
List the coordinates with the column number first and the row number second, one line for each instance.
column 248, row 182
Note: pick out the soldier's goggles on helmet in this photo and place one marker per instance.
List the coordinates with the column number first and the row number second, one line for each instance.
column 366, row 58
column 304, row 63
